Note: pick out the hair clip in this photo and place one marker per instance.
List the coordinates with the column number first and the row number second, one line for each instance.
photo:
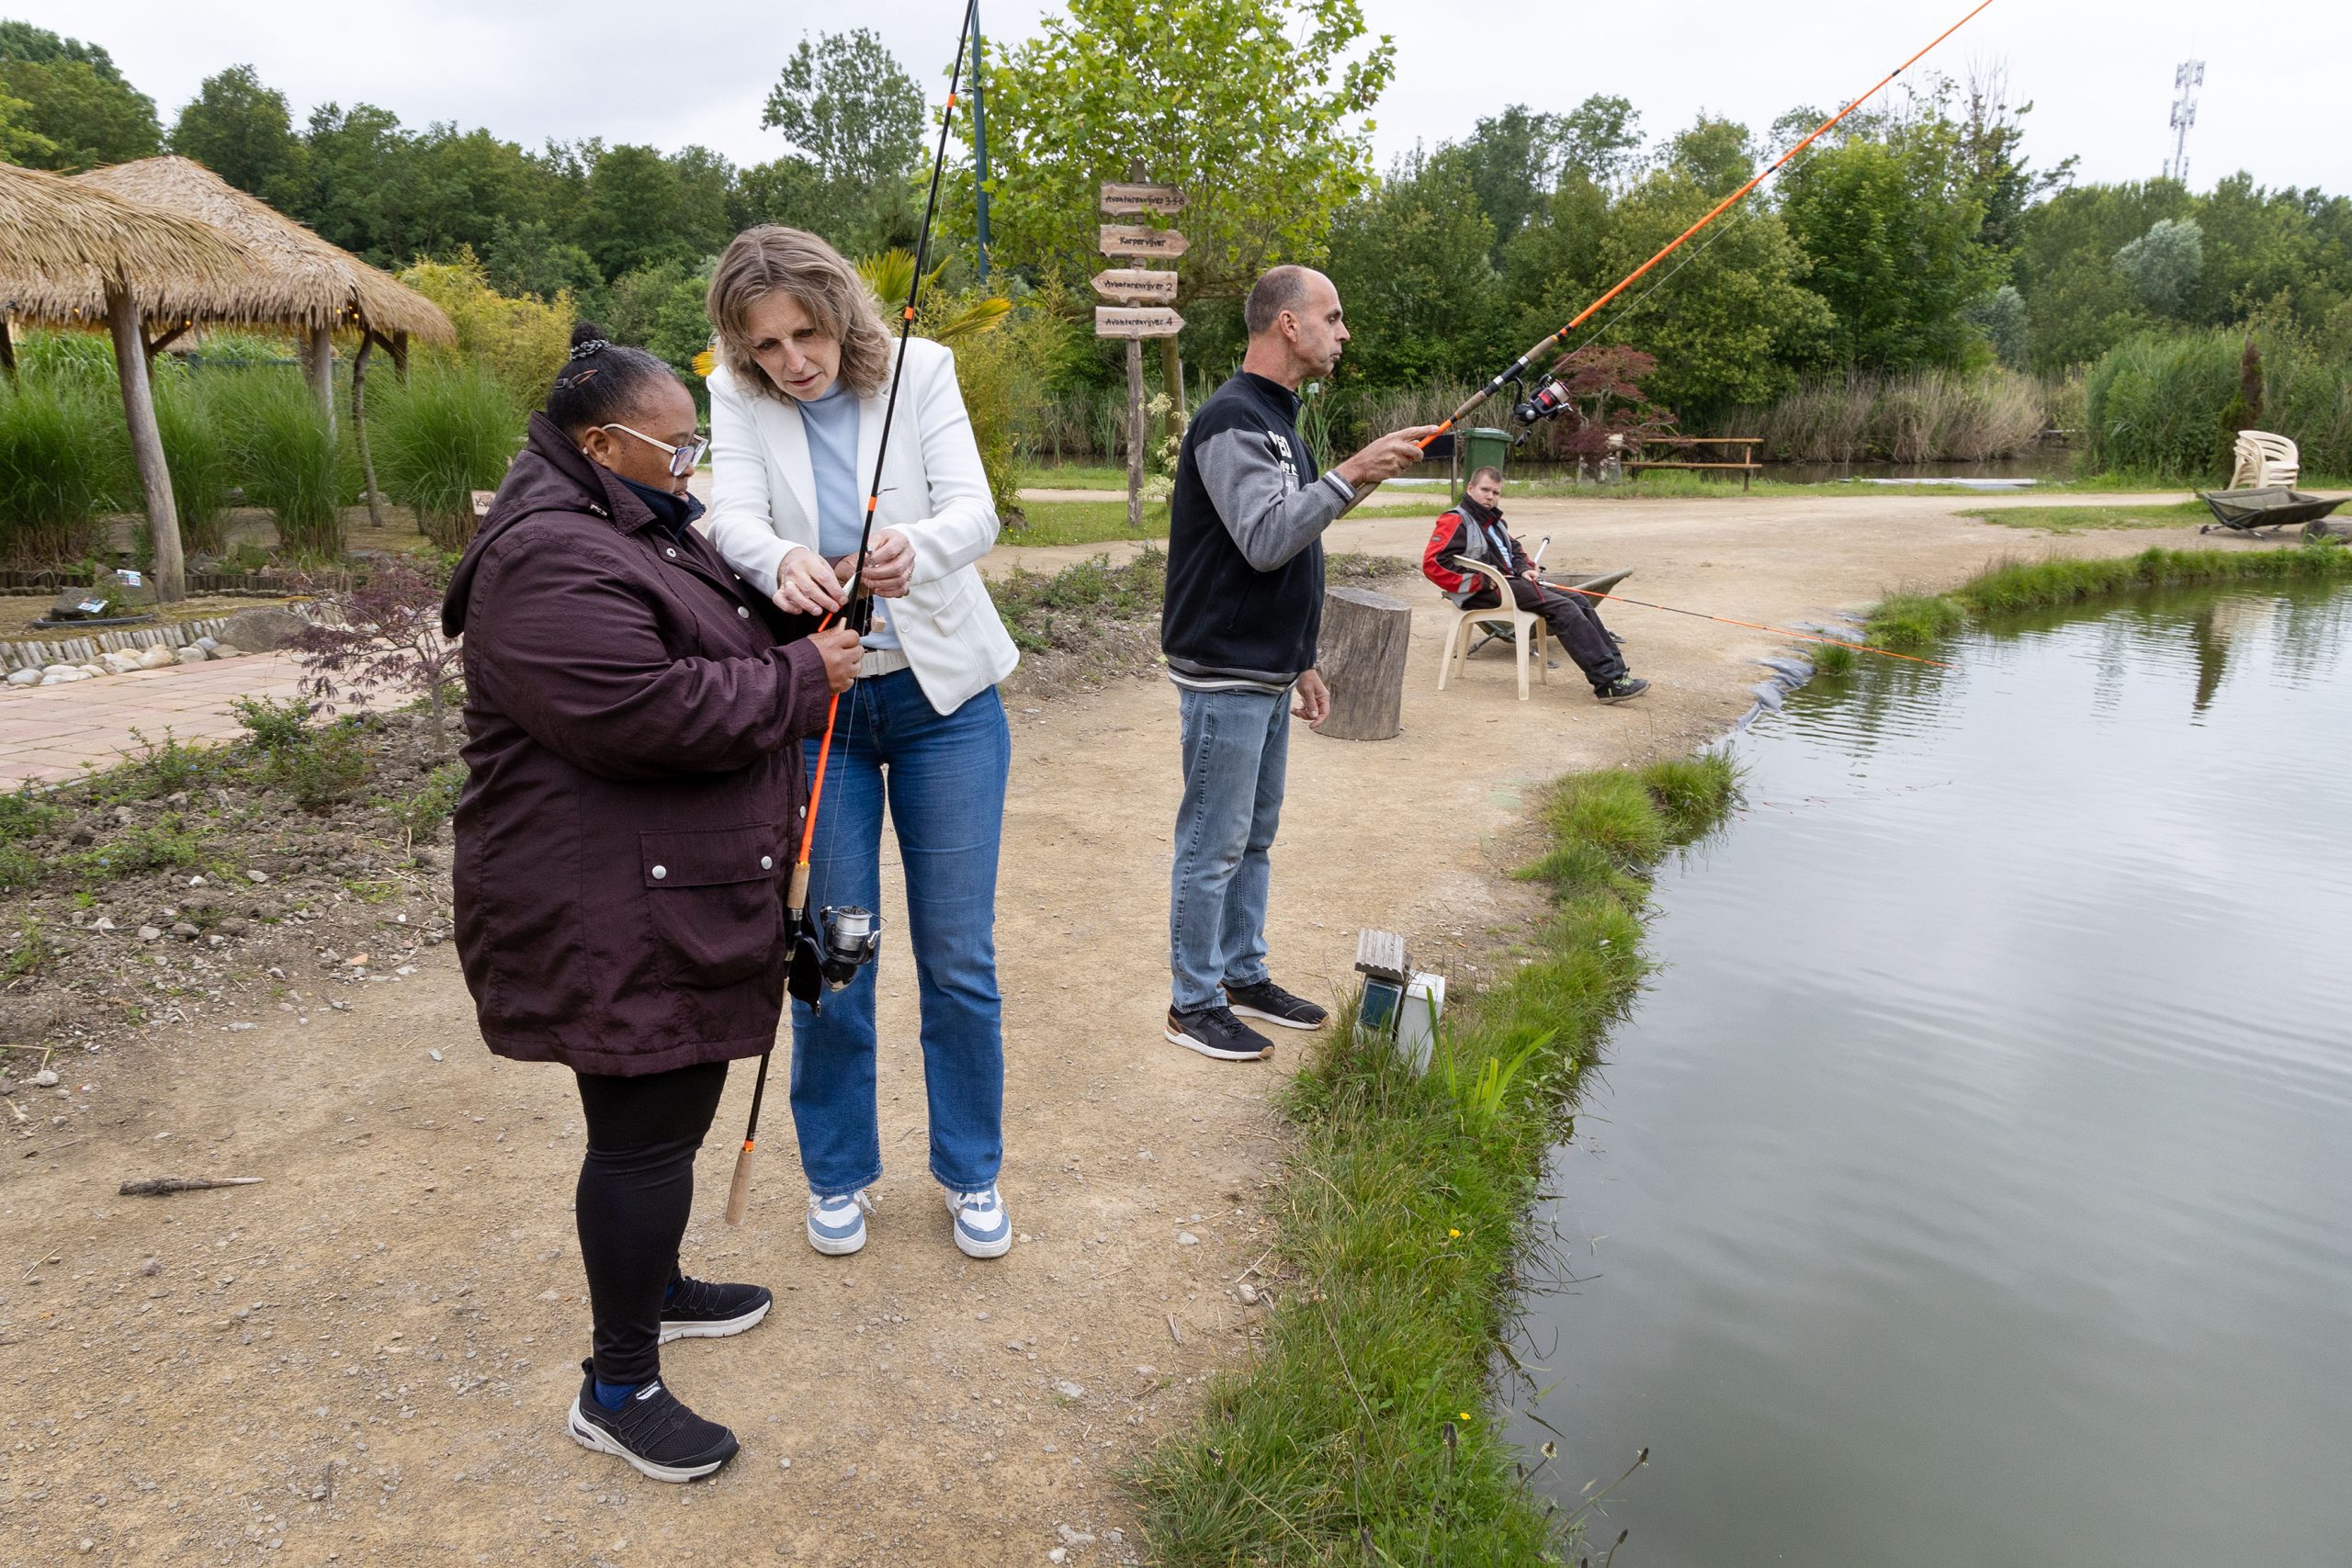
column 568, row 382
column 593, row 346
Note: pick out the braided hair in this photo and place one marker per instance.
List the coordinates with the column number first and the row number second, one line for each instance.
column 602, row 382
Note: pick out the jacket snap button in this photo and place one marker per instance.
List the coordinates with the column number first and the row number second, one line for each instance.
column 767, row 863
column 660, row 872
column 672, row 554
column 743, row 611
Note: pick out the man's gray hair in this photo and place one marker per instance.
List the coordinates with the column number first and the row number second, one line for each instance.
column 1281, row 288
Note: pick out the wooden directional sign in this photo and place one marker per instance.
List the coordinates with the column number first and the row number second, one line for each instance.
column 1161, row 199
column 1136, row 285
column 1127, row 239
column 1109, row 321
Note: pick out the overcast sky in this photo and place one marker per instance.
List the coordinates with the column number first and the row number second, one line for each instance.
column 2101, row 76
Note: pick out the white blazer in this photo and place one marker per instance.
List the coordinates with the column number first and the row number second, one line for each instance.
column 763, row 506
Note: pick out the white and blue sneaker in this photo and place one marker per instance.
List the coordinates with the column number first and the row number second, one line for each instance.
column 837, row 1225
column 982, row 1227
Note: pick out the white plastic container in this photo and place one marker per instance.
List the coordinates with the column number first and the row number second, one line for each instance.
column 1417, row 1020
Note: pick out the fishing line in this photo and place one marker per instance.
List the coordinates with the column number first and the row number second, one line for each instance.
column 1752, row 625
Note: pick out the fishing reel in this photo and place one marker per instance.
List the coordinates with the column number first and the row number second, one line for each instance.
column 1549, row 399
column 830, row 949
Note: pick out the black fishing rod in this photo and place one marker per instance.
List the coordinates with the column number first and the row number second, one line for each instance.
column 828, row 951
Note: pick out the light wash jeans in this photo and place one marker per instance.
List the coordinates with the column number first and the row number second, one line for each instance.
column 945, row 776
column 1236, row 752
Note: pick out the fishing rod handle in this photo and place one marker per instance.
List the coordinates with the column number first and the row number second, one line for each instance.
column 739, row 1191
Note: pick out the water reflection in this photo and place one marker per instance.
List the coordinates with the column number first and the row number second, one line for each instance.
column 1990, row 1208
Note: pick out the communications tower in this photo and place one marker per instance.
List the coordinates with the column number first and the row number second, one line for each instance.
column 2186, row 80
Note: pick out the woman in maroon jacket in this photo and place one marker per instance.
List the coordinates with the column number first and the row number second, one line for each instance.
column 633, row 712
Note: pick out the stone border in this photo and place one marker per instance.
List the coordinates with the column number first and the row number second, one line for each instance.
column 67, row 659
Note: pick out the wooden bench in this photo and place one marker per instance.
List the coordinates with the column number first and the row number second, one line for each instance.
column 1747, row 467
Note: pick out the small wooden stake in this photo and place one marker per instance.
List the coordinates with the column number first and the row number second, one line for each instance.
column 160, row 1185
column 1135, row 435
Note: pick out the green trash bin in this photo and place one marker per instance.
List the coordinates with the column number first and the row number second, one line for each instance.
column 1480, row 448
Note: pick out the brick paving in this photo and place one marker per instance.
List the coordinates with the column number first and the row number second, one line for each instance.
column 47, row 733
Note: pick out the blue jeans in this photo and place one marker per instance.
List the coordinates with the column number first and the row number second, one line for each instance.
column 945, row 777
column 1236, row 752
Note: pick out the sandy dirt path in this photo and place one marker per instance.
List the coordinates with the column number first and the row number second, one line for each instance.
column 367, row 1359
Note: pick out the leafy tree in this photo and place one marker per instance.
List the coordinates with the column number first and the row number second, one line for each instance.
column 241, row 131
column 70, row 107
column 1411, row 266
column 1714, row 155
column 1601, row 140
column 1513, row 161
column 1992, row 132
column 356, row 181
column 528, row 259
column 2165, row 263
column 1892, row 229
column 2001, row 317
column 643, row 210
column 1252, row 106
column 660, row 308
column 854, row 120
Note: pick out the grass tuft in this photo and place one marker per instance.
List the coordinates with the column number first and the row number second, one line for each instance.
column 1361, row 1433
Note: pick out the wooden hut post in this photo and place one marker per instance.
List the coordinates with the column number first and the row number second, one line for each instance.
column 318, row 364
column 147, row 443
column 360, row 426
column 7, row 350
column 400, row 356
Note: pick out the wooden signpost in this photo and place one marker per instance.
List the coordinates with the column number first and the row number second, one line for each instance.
column 1137, row 291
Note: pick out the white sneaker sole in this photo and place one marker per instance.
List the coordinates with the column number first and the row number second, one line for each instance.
column 1275, row 1017
column 596, row 1440
column 837, row 1246
column 717, row 1328
column 1178, row 1037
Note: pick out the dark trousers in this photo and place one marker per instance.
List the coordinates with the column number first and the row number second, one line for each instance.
column 636, row 1187
column 1574, row 623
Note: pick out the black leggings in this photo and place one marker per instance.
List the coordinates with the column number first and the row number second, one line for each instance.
column 1574, row 621
column 636, row 1187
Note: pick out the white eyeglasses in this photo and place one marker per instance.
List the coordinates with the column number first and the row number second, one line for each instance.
column 683, row 459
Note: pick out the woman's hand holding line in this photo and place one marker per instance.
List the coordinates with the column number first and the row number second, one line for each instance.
column 806, row 585
column 841, row 650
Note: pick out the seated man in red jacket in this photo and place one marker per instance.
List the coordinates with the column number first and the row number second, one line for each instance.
column 1474, row 531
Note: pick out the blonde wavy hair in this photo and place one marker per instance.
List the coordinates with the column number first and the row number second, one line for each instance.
column 762, row 261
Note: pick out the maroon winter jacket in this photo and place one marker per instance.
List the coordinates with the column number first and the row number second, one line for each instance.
column 632, row 717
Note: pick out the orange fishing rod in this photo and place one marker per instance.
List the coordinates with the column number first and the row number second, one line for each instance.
column 856, row 610
column 1548, row 345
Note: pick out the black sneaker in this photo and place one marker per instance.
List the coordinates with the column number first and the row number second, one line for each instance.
column 1270, row 1002
column 652, row 1430
column 1623, row 689
column 1215, row 1031
column 697, row 1310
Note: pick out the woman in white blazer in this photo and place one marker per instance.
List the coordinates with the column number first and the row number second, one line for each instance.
column 796, row 412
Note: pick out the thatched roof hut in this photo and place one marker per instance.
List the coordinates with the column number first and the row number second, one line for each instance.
column 292, row 278
column 53, row 230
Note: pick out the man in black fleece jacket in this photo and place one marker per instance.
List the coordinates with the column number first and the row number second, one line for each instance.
column 1243, row 606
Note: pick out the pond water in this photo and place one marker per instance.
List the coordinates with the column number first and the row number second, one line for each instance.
column 1973, row 1184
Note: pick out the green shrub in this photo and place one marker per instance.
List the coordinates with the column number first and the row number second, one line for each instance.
column 523, row 341
column 290, row 461
column 157, row 771
column 196, row 450
column 275, row 727
column 327, row 770
column 451, row 431
column 61, row 455
column 432, row 805
column 155, row 847
column 2154, row 404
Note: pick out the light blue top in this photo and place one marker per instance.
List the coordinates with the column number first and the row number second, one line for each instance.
column 832, row 423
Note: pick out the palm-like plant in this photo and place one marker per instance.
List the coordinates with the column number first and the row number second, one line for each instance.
column 891, row 275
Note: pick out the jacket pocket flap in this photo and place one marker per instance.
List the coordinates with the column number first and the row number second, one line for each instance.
column 708, row 856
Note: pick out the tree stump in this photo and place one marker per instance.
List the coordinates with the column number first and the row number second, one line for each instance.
column 1361, row 657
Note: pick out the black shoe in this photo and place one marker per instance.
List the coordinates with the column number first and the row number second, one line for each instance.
column 1270, row 1002
column 653, row 1430
column 1215, row 1031
column 1623, row 689
column 699, row 1310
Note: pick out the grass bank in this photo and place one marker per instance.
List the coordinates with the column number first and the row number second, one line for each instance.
column 1909, row 620
column 1361, row 1433
column 2076, row 519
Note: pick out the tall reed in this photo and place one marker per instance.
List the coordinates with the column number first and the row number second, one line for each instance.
column 1920, row 416
column 290, row 461
column 451, row 431
column 61, row 465
column 196, row 450
column 2154, row 404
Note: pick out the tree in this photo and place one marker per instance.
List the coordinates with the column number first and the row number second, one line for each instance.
column 854, row 120
column 242, row 131
column 1890, row 229
column 641, row 209
column 1254, row 106
column 1992, row 132
column 1411, row 267
column 527, row 259
column 2164, row 264
column 1512, row 161
column 2000, row 316
column 1602, row 138
column 70, row 107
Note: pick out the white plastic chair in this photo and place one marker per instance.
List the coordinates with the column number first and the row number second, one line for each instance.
column 1526, row 629
column 2263, row 459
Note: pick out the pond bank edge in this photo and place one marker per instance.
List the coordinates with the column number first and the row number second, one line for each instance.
column 1360, row 1432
